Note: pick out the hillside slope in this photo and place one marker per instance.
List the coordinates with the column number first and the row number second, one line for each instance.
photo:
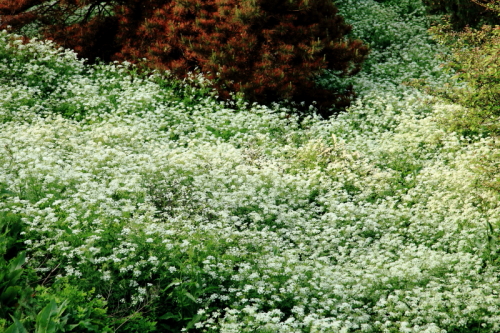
column 180, row 212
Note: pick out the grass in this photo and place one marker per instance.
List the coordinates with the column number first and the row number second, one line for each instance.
column 145, row 205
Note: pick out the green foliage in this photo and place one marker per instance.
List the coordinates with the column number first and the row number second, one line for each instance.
column 475, row 62
column 41, row 310
column 405, row 7
column 14, row 290
column 50, row 319
column 61, row 308
column 9, row 277
column 82, row 310
column 17, row 327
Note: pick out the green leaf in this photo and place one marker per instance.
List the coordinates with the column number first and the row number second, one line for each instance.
column 6, row 192
column 67, row 229
column 60, row 310
column 490, row 227
column 13, row 276
column 193, row 321
column 44, row 321
column 172, row 284
column 87, row 324
column 170, row 315
column 17, row 327
column 18, row 262
column 191, row 297
column 9, row 294
column 12, row 329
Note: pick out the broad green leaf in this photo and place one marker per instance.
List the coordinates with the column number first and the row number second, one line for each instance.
column 17, row 327
column 169, row 315
column 44, row 320
column 9, row 294
column 191, row 297
column 193, row 321
column 13, row 276
column 175, row 282
column 18, row 262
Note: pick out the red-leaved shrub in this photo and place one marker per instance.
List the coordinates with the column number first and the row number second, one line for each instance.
column 269, row 50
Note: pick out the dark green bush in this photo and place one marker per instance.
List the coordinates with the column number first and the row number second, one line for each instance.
column 462, row 13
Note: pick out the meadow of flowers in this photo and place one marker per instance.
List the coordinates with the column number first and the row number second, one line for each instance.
column 147, row 205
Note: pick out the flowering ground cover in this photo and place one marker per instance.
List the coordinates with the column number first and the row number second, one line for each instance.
column 147, row 205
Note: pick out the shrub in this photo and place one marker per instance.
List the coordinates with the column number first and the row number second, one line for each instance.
column 463, row 13
column 493, row 5
column 475, row 61
column 265, row 50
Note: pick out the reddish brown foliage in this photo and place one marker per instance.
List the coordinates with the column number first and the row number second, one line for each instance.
column 269, row 50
